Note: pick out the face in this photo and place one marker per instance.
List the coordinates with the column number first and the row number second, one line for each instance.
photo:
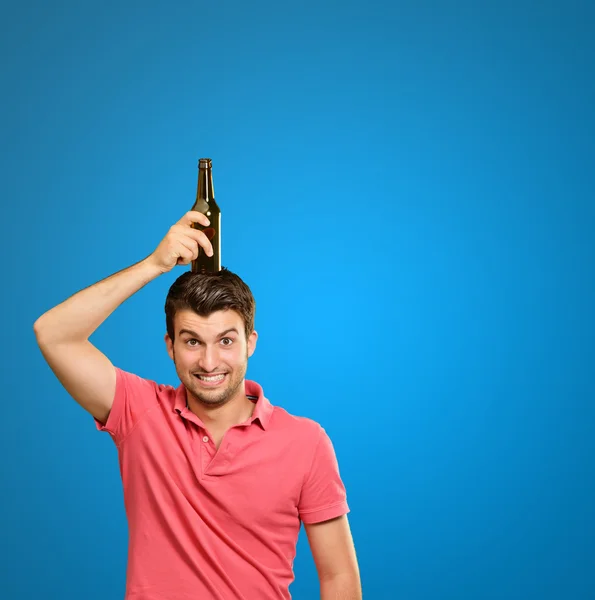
column 211, row 354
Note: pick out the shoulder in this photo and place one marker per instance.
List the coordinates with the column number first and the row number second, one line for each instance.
column 132, row 384
column 304, row 428
column 134, row 380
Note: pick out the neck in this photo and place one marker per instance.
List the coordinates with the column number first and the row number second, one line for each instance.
column 235, row 411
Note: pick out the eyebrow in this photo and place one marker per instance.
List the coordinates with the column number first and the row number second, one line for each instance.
column 194, row 334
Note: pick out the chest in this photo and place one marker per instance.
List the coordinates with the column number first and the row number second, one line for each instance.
column 217, row 438
column 244, row 474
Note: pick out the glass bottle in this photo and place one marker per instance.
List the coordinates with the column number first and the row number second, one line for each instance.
column 205, row 203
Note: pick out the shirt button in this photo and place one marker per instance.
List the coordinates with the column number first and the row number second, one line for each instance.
column 205, row 439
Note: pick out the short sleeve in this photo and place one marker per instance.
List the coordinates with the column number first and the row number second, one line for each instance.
column 323, row 494
column 134, row 396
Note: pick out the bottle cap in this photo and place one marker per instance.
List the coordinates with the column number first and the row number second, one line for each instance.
column 205, row 163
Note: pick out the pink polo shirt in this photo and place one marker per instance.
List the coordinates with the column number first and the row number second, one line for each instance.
column 207, row 524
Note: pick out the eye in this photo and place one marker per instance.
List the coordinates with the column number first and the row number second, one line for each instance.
column 190, row 342
column 227, row 340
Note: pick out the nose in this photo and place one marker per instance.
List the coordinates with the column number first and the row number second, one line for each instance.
column 209, row 359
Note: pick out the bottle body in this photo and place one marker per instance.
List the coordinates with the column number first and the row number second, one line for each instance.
column 205, row 203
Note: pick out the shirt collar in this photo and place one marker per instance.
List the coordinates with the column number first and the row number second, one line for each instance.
column 263, row 409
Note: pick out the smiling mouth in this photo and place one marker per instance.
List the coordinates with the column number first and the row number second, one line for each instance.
column 211, row 379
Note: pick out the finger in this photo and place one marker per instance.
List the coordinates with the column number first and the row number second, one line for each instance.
column 186, row 255
column 201, row 238
column 188, row 243
column 193, row 216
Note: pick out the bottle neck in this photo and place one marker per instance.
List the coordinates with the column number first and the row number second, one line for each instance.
column 205, row 189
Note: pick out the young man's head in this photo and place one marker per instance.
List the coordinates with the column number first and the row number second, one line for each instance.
column 210, row 334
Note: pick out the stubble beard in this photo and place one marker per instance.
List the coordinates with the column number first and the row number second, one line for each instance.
column 215, row 397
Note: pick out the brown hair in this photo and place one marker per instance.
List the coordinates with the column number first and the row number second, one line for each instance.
column 207, row 293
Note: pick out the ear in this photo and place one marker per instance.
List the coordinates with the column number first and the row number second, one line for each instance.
column 252, row 343
column 169, row 345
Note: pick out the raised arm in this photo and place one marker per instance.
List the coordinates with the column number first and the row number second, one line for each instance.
column 63, row 332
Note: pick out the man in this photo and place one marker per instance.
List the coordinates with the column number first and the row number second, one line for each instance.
column 216, row 479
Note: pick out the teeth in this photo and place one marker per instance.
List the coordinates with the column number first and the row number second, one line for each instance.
column 213, row 378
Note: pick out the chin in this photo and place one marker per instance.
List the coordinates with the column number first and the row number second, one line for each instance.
column 214, row 397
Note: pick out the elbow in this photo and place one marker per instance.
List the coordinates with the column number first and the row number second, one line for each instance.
column 38, row 327
column 343, row 585
column 42, row 331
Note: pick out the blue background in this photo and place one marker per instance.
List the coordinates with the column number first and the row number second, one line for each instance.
column 407, row 187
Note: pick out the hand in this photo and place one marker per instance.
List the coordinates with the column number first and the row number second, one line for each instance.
column 182, row 243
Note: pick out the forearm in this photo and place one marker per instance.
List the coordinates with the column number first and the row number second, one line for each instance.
column 79, row 316
column 341, row 587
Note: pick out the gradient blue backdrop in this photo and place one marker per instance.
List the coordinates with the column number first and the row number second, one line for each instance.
column 408, row 188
